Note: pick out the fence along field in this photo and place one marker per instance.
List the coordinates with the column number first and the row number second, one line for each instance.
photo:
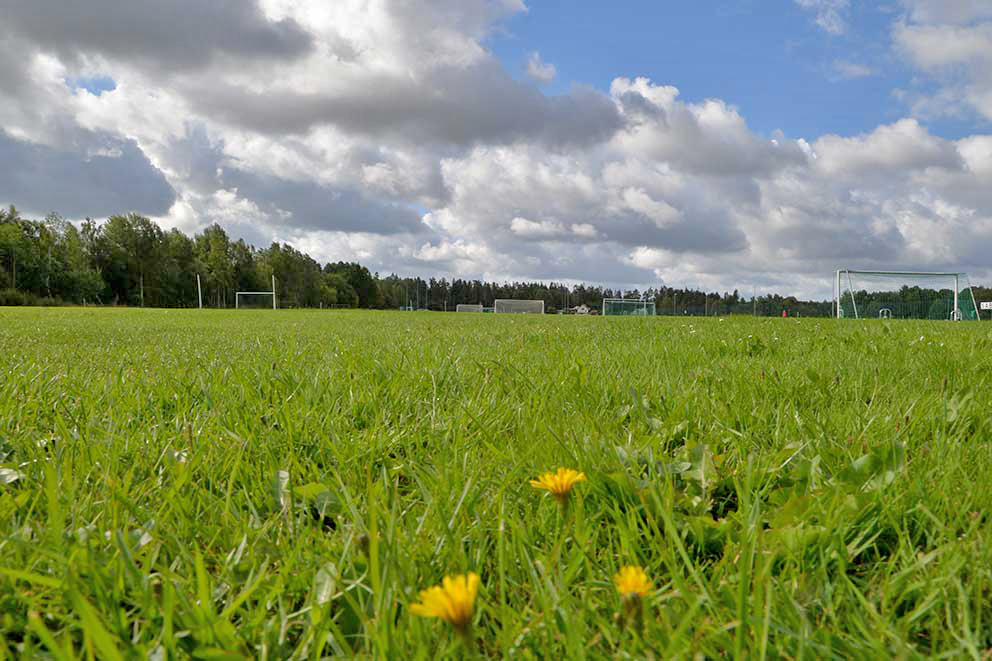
column 284, row 485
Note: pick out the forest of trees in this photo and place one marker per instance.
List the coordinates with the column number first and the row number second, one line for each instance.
column 130, row 260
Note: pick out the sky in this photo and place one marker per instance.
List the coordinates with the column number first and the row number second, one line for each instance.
column 731, row 144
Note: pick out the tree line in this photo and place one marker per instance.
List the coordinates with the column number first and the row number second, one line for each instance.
column 129, row 260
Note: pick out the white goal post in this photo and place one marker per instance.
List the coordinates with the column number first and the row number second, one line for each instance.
column 627, row 307
column 238, row 295
column 903, row 295
column 517, row 306
column 468, row 307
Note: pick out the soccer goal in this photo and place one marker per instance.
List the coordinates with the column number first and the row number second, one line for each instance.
column 468, row 307
column 517, row 306
column 903, row 295
column 256, row 299
column 628, row 307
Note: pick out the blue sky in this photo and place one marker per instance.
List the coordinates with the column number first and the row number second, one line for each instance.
column 95, row 85
column 768, row 58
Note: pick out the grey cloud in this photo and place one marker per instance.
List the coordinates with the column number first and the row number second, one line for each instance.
column 104, row 176
column 455, row 105
column 948, row 11
column 611, row 272
column 172, row 34
column 703, row 231
column 199, row 156
column 561, row 263
column 638, row 105
column 674, row 134
column 841, row 240
column 311, row 205
column 887, row 153
column 318, row 208
column 539, row 261
column 966, row 189
column 975, row 252
column 13, row 79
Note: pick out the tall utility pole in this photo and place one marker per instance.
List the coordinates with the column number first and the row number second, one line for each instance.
column 754, row 299
column 199, row 291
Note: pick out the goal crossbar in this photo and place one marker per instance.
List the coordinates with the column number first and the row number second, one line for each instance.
column 922, row 273
column 238, row 295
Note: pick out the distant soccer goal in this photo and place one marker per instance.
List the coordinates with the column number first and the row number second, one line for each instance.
column 903, row 295
column 468, row 307
column 256, row 299
column 627, row 307
column 517, row 306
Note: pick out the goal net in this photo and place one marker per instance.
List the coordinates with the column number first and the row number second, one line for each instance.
column 468, row 307
column 903, row 295
column 517, row 306
column 629, row 307
column 257, row 300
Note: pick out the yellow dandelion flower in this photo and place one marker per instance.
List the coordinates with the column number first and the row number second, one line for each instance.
column 452, row 601
column 559, row 484
column 632, row 582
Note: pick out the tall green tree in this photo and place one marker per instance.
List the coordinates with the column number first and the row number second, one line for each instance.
column 133, row 247
column 13, row 244
column 213, row 250
column 71, row 272
column 361, row 280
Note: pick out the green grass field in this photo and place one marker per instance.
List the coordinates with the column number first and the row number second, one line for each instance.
column 283, row 484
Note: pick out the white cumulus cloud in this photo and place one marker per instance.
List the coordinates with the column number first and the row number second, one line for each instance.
column 831, row 15
column 539, row 70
